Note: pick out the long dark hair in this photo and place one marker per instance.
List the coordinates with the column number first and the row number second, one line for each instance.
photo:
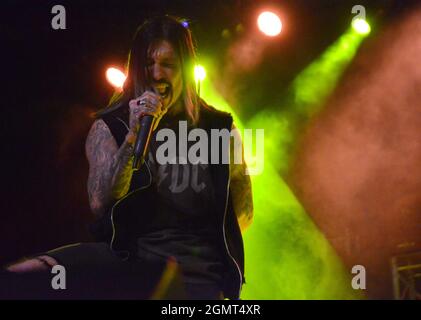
column 176, row 32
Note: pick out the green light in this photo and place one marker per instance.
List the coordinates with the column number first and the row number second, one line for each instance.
column 317, row 81
column 287, row 257
column 361, row 26
column 199, row 73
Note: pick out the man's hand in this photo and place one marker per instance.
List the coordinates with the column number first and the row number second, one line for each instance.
column 149, row 103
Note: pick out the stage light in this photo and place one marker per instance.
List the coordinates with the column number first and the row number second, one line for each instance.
column 361, row 26
column 199, row 73
column 269, row 23
column 115, row 77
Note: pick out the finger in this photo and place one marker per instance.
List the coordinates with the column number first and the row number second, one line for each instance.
column 152, row 106
column 146, row 99
column 147, row 113
column 133, row 103
column 153, row 112
column 140, row 101
column 153, row 100
column 136, row 109
column 147, row 110
column 153, row 95
column 150, row 94
column 145, row 105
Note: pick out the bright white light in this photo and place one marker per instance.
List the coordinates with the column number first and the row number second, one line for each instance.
column 269, row 23
column 116, row 77
column 199, row 73
column 361, row 26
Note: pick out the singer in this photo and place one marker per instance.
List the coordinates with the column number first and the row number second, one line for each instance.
column 187, row 215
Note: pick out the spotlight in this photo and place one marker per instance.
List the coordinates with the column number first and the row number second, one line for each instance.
column 269, row 23
column 199, row 76
column 115, row 77
column 361, row 26
column 199, row 73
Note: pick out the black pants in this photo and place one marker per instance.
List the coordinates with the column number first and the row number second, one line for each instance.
column 94, row 271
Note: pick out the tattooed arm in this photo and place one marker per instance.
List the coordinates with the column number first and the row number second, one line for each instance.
column 240, row 185
column 109, row 167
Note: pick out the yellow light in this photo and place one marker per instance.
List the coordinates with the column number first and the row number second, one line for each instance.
column 199, row 73
column 116, row 77
column 361, row 26
column 269, row 23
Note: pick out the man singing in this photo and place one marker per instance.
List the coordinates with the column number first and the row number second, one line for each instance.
column 190, row 213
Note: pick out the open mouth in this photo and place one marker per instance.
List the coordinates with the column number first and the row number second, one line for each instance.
column 162, row 89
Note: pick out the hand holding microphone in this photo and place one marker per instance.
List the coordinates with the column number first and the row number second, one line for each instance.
column 145, row 113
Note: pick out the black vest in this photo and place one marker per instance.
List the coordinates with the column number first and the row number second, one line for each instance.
column 121, row 224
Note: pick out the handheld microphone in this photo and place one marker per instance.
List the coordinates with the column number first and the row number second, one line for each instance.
column 142, row 141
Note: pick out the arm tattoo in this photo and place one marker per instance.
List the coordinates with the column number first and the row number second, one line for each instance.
column 241, row 192
column 109, row 167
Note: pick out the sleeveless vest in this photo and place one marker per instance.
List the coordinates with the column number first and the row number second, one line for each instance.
column 122, row 224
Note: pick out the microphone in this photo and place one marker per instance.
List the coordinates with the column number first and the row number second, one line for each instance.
column 142, row 141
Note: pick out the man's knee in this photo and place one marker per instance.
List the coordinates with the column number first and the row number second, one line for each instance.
column 37, row 264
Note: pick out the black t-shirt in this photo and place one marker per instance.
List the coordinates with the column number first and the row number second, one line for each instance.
column 184, row 224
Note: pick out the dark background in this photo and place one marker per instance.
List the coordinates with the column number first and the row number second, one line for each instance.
column 53, row 80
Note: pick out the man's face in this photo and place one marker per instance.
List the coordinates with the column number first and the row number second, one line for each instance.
column 165, row 72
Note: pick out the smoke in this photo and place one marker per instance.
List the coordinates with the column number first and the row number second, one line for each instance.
column 287, row 257
column 357, row 169
column 243, row 56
